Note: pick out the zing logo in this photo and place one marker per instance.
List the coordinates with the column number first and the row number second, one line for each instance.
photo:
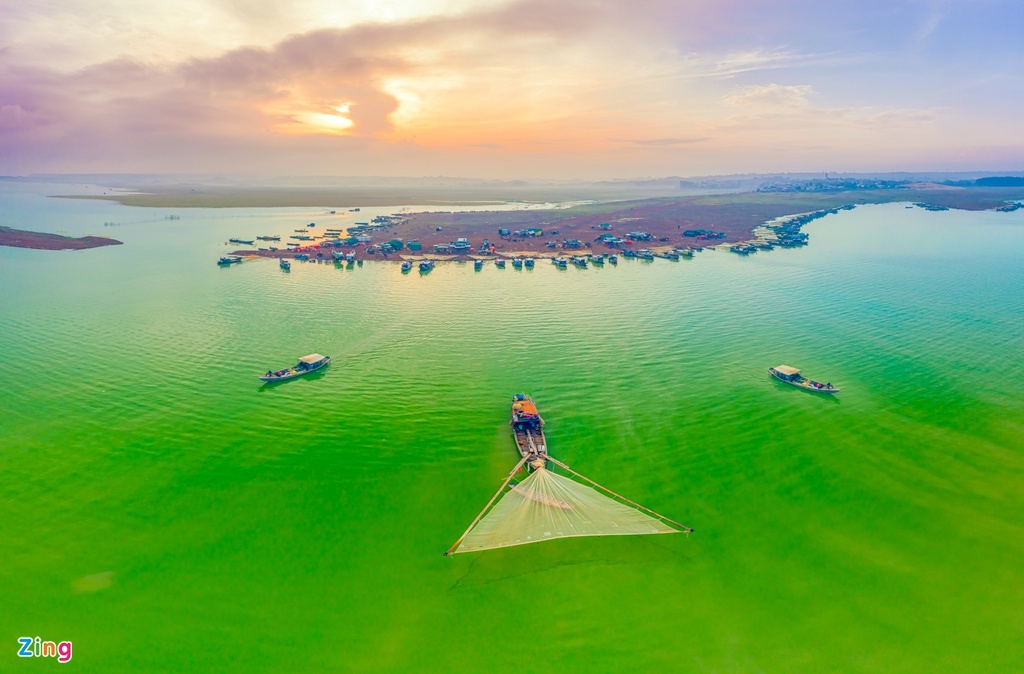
column 36, row 648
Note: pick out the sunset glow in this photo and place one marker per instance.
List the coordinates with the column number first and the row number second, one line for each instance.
column 503, row 89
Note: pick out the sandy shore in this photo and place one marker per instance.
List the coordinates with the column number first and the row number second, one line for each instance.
column 19, row 238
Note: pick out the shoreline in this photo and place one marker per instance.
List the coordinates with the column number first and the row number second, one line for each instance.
column 663, row 223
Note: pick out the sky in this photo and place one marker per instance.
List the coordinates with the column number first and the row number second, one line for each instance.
column 510, row 89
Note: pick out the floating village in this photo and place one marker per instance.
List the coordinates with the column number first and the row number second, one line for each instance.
column 350, row 246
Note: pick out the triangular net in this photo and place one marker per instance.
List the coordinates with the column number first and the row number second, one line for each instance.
column 546, row 506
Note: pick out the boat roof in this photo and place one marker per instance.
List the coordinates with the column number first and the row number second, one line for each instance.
column 312, row 358
column 785, row 369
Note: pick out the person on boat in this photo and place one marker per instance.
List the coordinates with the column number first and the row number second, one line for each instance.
column 269, row 373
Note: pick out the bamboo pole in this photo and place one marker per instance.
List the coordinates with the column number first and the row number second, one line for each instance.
column 685, row 528
column 489, row 503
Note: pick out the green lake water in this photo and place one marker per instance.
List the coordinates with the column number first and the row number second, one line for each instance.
column 165, row 513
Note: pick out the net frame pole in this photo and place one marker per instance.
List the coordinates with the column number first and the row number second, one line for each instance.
column 685, row 528
column 486, row 507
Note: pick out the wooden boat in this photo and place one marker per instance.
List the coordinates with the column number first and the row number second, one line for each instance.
column 229, row 259
column 528, row 430
column 246, row 242
column 269, row 238
column 306, row 364
column 792, row 376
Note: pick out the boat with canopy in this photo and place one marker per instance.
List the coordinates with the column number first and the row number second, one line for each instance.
column 306, row 364
column 792, row 376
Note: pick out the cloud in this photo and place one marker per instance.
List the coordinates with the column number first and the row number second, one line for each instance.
column 771, row 97
column 661, row 142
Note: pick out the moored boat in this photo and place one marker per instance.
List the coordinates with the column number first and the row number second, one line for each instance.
column 426, row 265
column 613, row 259
column 517, row 263
column 527, row 427
column 306, row 364
column 285, row 264
column 499, row 263
column 247, row 242
column 478, row 265
column 792, row 376
column 528, row 262
column 559, row 262
column 338, row 255
column 407, row 265
column 228, row 260
column 271, row 237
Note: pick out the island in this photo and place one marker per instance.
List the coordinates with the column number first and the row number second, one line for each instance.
column 20, row 238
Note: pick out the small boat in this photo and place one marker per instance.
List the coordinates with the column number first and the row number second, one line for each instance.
column 528, row 262
column 302, row 231
column 527, row 427
column 229, row 259
column 285, row 264
column 613, row 259
column 517, row 263
column 301, row 256
column 248, row 243
column 359, row 262
column 426, row 265
column 478, row 265
column 580, row 262
column 792, row 376
column 406, row 266
column 559, row 262
column 306, row 364
column 350, row 258
column 338, row 255
column 273, row 237
column 597, row 259
column 499, row 263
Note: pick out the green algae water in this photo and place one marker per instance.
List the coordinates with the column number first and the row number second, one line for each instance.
column 165, row 513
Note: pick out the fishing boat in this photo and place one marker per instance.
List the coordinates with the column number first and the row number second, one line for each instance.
column 499, row 263
column 528, row 262
column 517, row 263
column 597, row 259
column 273, row 237
column 229, row 259
column 792, row 376
column 338, row 255
column 406, row 266
column 478, row 265
column 285, row 264
column 559, row 262
column 527, row 427
column 580, row 262
column 426, row 265
column 613, row 259
column 246, row 242
column 306, row 364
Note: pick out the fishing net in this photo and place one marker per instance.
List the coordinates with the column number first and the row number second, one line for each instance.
column 546, row 506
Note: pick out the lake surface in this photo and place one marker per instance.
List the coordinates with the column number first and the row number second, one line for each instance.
column 165, row 513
